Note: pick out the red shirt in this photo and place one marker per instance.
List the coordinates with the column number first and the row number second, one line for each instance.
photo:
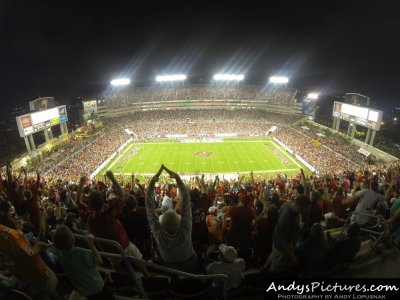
column 103, row 225
column 337, row 206
column 241, row 220
column 281, row 186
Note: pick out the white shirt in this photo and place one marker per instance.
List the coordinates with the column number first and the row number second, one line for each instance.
column 233, row 270
column 368, row 199
column 167, row 201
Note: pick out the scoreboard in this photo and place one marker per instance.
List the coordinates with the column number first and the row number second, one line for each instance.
column 42, row 103
column 364, row 116
column 38, row 121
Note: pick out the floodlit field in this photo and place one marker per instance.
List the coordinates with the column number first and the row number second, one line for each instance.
column 229, row 157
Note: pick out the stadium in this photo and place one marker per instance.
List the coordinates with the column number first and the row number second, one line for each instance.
column 242, row 151
column 207, row 124
column 177, row 151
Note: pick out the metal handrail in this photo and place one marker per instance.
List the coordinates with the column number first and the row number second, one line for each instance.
column 121, row 255
column 128, row 260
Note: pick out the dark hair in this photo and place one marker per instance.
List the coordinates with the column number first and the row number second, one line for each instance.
column 27, row 194
column 4, row 205
column 302, row 201
column 130, row 202
column 195, row 197
column 315, row 196
column 300, row 189
column 63, row 238
column 374, row 186
column 96, row 200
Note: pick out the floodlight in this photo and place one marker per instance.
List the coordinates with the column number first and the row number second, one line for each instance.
column 278, row 80
column 228, row 77
column 120, row 81
column 164, row 78
column 313, row 96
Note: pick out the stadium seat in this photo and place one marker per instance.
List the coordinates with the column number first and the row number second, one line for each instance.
column 187, row 288
column 156, row 287
column 14, row 295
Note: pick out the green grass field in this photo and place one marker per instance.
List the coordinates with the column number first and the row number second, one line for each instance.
column 229, row 157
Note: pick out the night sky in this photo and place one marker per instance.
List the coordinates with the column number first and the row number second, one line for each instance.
column 68, row 49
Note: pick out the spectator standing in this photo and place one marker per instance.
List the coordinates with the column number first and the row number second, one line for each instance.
column 173, row 235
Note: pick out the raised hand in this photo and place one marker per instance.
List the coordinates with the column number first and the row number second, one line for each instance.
column 109, row 174
column 172, row 174
column 156, row 176
column 90, row 240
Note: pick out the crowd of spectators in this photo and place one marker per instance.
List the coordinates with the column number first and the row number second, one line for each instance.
column 321, row 157
column 275, row 224
column 348, row 150
column 270, row 94
column 84, row 156
column 206, row 225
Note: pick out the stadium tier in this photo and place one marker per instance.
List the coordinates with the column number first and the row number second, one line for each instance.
column 273, row 94
column 327, row 156
column 275, row 99
column 213, row 197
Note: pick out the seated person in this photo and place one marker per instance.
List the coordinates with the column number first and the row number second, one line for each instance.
column 229, row 265
column 24, row 262
column 311, row 253
column 215, row 233
column 80, row 265
column 344, row 251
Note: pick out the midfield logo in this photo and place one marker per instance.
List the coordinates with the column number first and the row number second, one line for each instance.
column 205, row 154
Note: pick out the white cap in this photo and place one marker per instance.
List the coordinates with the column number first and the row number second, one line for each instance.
column 228, row 252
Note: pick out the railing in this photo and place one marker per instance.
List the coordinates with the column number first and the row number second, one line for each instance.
column 128, row 260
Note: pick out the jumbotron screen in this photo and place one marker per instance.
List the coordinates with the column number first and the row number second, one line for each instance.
column 363, row 116
column 34, row 122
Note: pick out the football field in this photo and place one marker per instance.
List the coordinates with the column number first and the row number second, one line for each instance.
column 228, row 157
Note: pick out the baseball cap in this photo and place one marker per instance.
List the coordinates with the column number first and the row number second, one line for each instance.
column 228, row 252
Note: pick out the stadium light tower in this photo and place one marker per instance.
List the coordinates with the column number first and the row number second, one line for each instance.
column 171, row 78
column 228, row 77
column 278, row 80
column 120, row 82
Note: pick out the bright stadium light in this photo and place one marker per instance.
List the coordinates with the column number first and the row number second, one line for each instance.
column 313, row 96
column 228, row 77
column 278, row 80
column 164, row 78
column 120, row 81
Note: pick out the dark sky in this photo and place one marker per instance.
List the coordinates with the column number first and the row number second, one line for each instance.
column 68, row 49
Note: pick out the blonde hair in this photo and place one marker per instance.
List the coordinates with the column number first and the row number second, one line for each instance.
column 170, row 221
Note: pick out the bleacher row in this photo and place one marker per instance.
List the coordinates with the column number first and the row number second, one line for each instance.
column 270, row 94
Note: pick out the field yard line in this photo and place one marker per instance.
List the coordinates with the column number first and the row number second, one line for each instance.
column 233, row 157
column 242, row 172
column 229, row 157
column 117, row 158
column 176, row 143
column 250, row 158
column 284, row 152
